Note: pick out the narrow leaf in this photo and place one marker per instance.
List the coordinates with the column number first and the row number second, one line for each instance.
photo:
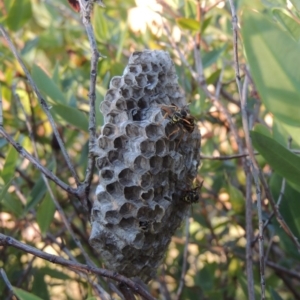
column 19, row 13
column 47, row 85
column 71, row 115
column 288, row 23
column 190, row 24
column 23, row 295
column 284, row 162
column 45, row 214
column 272, row 65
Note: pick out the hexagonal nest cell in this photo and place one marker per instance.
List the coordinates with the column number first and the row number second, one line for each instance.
column 146, row 161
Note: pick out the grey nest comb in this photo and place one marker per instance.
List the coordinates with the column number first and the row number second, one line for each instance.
column 146, row 162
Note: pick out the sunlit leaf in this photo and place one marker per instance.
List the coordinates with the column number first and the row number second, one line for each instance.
column 273, row 66
column 19, row 13
column 289, row 23
column 189, row 24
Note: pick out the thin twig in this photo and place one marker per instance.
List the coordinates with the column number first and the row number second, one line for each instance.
column 234, row 22
column 249, row 236
column 74, row 266
column 45, row 171
column 254, row 168
column 278, row 215
column 86, row 9
column 53, row 198
column 267, row 222
column 97, row 287
column 7, row 282
column 234, row 156
column 255, row 174
column 185, row 254
column 276, row 267
column 43, row 104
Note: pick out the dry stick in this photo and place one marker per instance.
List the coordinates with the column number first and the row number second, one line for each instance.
column 9, row 241
column 185, row 254
column 43, row 104
column 7, row 282
column 54, row 200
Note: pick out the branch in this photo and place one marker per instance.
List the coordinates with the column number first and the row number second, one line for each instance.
column 7, row 282
column 53, row 198
column 74, row 266
column 185, row 254
column 254, row 166
column 28, row 156
column 43, row 104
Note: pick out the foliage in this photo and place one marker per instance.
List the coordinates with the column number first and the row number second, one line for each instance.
column 54, row 46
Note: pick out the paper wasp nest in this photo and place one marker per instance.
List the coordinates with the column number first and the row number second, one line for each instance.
column 145, row 163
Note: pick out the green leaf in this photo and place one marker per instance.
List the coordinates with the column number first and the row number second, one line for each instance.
column 189, row 24
column 289, row 204
column 274, row 72
column 71, row 115
column 23, row 295
column 10, row 164
column 237, row 200
column 262, row 129
column 36, row 195
column 12, row 204
column 4, row 189
column 45, row 214
column 205, row 24
column 100, row 24
column 18, row 14
column 212, row 56
column 275, row 295
column 53, row 273
column 288, row 23
column 47, row 85
column 284, row 162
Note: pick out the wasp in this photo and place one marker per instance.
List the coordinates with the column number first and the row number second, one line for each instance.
column 192, row 195
column 146, row 226
column 179, row 116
